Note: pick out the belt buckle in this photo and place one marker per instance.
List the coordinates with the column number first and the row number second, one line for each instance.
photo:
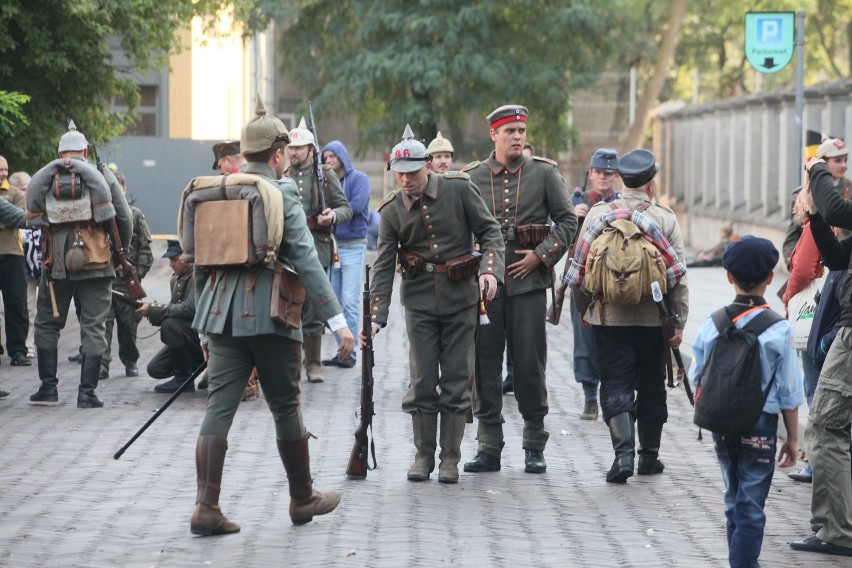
column 430, row 267
column 510, row 233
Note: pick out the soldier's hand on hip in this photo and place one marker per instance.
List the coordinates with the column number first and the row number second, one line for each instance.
column 347, row 343
column 487, row 286
column 523, row 267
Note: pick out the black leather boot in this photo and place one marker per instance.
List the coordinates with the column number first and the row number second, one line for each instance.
column 91, row 368
column 649, row 449
column 621, row 430
column 47, row 361
column 182, row 365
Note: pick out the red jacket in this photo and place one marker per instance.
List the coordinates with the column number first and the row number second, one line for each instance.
column 805, row 264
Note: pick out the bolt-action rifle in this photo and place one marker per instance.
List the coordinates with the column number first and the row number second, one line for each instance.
column 657, row 295
column 317, row 165
column 359, row 458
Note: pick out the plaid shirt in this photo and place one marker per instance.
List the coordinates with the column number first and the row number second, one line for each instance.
column 675, row 268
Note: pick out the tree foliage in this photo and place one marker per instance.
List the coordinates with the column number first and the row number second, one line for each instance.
column 57, row 53
column 439, row 61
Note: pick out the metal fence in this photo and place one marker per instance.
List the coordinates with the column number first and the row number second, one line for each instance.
column 733, row 161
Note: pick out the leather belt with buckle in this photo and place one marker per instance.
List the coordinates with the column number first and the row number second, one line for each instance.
column 430, row 267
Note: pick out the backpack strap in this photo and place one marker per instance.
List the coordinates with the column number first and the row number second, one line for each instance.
column 763, row 321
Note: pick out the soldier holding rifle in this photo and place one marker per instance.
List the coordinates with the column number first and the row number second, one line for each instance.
column 78, row 201
column 429, row 226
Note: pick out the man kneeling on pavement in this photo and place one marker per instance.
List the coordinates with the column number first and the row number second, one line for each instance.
column 181, row 353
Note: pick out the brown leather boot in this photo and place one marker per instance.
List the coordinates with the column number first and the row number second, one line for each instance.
column 425, row 434
column 305, row 501
column 207, row 519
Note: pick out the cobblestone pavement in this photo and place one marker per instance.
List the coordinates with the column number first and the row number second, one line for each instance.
column 64, row 500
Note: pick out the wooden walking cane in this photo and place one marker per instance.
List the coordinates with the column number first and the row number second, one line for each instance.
column 162, row 409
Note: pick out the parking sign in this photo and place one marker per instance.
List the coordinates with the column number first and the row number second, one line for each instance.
column 769, row 40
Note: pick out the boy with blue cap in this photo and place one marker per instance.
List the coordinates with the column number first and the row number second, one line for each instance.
column 747, row 461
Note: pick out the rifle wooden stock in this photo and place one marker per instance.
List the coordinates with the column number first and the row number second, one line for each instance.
column 554, row 312
column 135, row 304
column 120, row 262
column 359, row 458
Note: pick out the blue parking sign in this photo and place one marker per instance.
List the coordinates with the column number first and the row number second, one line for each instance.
column 769, row 40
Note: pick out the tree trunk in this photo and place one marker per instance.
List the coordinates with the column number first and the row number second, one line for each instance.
column 636, row 135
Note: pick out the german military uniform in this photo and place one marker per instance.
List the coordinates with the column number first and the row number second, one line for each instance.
column 523, row 196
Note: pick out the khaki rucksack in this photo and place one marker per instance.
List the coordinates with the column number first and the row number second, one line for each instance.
column 622, row 263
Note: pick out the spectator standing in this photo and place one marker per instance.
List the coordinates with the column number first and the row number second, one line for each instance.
column 347, row 278
column 13, row 280
column 32, row 261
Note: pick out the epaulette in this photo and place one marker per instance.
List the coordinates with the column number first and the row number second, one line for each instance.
column 388, row 198
column 548, row 160
column 455, row 175
column 470, row 166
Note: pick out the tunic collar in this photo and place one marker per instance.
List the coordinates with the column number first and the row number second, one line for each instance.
column 511, row 168
column 431, row 192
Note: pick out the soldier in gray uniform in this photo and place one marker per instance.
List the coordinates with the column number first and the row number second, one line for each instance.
column 324, row 207
column 522, row 193
column 430, row 225
column 243, row 336
column 77, row 260
column 140, row 256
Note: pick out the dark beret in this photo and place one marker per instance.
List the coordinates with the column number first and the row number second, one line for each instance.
column 637, row 168
column 222, row 149
column 604, row 159
column 173, row 249
column 750, row 259
column 506, row 114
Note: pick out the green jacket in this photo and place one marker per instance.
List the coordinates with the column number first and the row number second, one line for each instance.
column 139, row 251
column 438, row 226
column 182, row 304
column 306, row 185
column 527, row 191
column 10, row 215
column 228, row 296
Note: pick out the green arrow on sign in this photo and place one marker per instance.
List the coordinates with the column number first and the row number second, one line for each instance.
column 770, row 40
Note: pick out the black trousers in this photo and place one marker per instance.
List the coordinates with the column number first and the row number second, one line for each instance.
column 633, row 374
column 13, row 284
column 175, row 333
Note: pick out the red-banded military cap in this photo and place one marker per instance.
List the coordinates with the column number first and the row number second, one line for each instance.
column 506, row 114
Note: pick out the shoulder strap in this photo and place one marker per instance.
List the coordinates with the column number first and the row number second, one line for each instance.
column 721, row 319
column 762, row 321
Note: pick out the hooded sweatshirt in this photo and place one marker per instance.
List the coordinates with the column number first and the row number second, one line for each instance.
column 356, row 186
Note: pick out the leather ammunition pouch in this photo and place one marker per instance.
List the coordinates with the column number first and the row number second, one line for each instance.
column 288, row 295
column 410, row 264
column 463, row 267
column 89, row 250
column 531, row 235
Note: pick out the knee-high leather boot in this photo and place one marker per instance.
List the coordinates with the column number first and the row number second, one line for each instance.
column 649, row 448
column 47, row 361
column 89, row 373
column 207, row 519
column 621, row 430
column 425, row 434
column 305, row 501
column 452, row 432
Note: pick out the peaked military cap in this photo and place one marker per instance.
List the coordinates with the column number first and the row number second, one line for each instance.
column 409, row 155
column 506, row 114
column 440, row 144
column 73, row 141
column 261, row 132
column 301, row 136
column 173, row 249
column 222, row 149
column 637, row 168
column 604, row 159
column 832, row 148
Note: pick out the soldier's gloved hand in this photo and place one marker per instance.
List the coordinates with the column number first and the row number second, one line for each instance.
column 487, row 287
column 347, row 343
column 36, row 223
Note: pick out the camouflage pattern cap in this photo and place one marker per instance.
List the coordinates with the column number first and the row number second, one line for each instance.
column 222, row 149
column 506, row 114
column 832, row 148
column 73, row 141
column 301, row 136
column 409, row 155
column 440, row 144
column 261, row 132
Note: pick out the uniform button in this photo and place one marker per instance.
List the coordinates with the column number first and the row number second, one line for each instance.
column 433, row 236
column 374, row 317
column 490, row 269
column 430, row 227
column 506, row 200
column 425, row 207
column 434, row 246
column 505, row 180
column 427, row 216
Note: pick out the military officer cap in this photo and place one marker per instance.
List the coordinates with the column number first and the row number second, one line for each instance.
column 637, row 168
column 173, row 249
column 604, row 159
column 439, row 144
column 222, row 149
column 301, row 136
column 73, row 141
column 261, row 132
column 506, row 114
column 832, row 148
column 409, row 155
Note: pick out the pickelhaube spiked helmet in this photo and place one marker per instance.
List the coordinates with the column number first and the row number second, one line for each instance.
column 410, row 154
